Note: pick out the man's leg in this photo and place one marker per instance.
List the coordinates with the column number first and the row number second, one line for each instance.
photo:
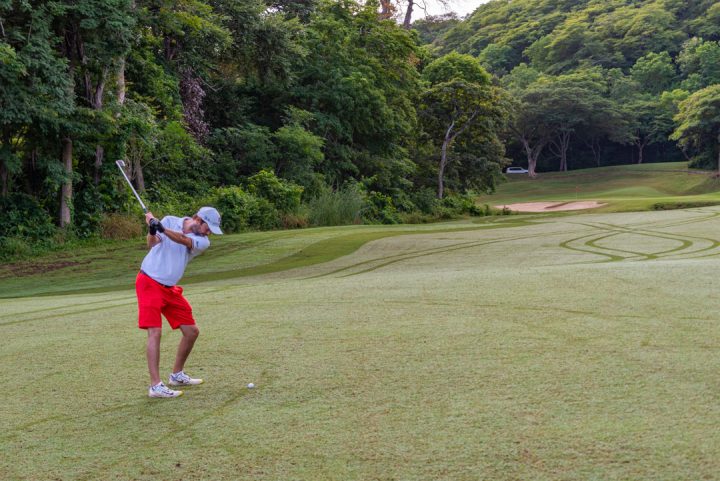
column 190, row 333
column 153, row 354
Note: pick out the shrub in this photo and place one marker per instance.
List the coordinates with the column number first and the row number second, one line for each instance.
column 461, row 204
column 242, row 211
column 414, row 217
column 379, row 208
column 262, row 215
column 284, row 195
column 24, row 218
column 298, row 152
column 166, row 200
column 87, row 213
column 425, row 200
column 14, row 247
column 682, row 205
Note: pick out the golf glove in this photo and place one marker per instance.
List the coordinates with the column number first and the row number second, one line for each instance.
column 155, row 226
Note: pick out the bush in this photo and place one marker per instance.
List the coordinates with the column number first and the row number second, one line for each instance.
column 461, row 204
column 13, row 247
column 415, row 217
column 87, row 211
column 336, row 208
column 242, row 211
column 120, row 226
column 294, row 221
column 24, row 218
column 165, row 200
column 262, row 215
column 379, row 208
column 284, row 195
column 682, row 205
column 425, row 200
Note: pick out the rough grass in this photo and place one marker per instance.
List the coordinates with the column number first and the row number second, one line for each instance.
column 623, row 188
column 573, row 347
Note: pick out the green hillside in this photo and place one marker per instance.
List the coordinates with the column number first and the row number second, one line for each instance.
column 623, row 188
column 564, row 34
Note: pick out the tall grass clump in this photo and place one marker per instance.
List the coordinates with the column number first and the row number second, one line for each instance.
column 339, row 207
column 121, row 226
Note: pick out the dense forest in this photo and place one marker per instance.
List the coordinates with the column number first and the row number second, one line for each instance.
column 287, row 113
column 598, row 82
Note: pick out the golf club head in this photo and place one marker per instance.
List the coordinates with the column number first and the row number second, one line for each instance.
column 120, row 163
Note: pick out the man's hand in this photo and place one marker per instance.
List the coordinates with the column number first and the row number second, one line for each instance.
column 154, row 226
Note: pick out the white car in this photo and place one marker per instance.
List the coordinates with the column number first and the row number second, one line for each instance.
column 516, row 170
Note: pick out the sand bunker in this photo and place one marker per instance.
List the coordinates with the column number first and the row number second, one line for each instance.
column 551, row 206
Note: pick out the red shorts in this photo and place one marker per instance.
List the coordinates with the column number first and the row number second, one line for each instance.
column 155, row 299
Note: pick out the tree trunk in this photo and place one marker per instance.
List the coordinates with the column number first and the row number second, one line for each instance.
column 532, row 154
column 4, row 173
column 597, row 151
column 386, row 9
column 560, row 146
column 443, row 159
column 408, row 14
column 3, row 179
column 121, row 89
column 99, row 157
column 441, row 170
column 66, row 190
column 641, row 143
column 564, row 146
column 139, row 177
column 95, row 95
column 719, row 154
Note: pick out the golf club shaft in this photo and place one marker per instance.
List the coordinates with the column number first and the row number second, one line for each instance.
column 120, row 165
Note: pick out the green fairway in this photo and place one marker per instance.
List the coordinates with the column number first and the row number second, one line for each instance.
column 523, row 347
column 622, row 188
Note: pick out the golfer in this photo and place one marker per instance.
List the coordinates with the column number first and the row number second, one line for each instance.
column 173, row 242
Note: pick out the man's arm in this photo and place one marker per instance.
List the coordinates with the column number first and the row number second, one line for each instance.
column 152, row 239
column 175, row 236
column 179, row 237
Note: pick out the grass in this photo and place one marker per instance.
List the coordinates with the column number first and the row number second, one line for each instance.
column 560, row 348
column 113, row 267
column 623, row 188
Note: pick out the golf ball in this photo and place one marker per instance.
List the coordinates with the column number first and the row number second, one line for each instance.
column 251, row 385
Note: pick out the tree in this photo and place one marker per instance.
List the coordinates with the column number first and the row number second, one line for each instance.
column 572, row 102
column 460, row 100
column 654, row 72
column 645, row 118
column 669, row 102
column 552, row 109
column 699, row 61
column 698, row 122
column 188, row 37
column 434, row 26
column 359, row 82
column 527, row 122
column 35, row 95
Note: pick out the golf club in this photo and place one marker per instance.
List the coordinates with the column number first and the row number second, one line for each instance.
column 121, row 165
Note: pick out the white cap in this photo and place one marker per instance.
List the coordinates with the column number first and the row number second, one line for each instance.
column 211, row 217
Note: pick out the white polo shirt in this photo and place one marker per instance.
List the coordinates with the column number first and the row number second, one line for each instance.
column 167, row 260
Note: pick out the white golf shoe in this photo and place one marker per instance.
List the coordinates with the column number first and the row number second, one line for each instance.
column 161, row 390
column 182, row 379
